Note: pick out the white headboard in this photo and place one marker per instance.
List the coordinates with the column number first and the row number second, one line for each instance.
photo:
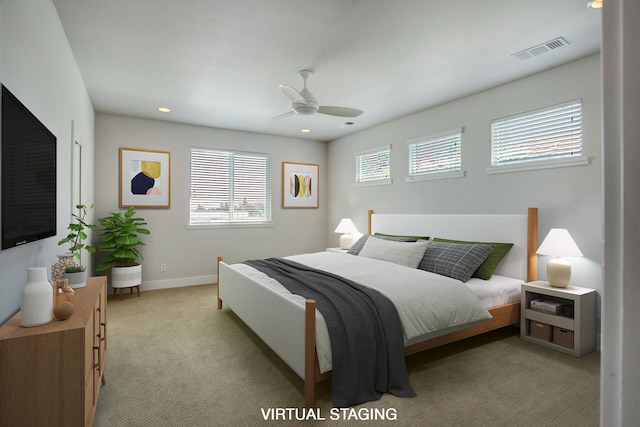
column 506, row 228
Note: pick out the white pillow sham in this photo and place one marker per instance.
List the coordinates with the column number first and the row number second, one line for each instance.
column 408, row 254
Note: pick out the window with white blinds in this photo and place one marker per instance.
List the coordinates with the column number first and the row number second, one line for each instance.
column 229, row 187
column 374, row 166
column 435, row 154
column 546, row 134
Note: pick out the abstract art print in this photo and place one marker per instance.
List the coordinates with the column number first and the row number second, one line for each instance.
column 144, row 178
column 300, row 185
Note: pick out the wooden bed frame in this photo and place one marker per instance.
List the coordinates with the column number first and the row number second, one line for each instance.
column 298, row 325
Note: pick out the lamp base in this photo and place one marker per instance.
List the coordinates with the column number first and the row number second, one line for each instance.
column 346, row 241
column 558, row 272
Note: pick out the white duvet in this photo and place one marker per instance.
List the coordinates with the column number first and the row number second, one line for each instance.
column 428, row 304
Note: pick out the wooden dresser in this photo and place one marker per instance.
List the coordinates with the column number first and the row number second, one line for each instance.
column 50, row 375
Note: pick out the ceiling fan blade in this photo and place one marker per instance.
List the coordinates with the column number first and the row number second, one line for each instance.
column 291, row 93
column 283, row 115
column 339, row 111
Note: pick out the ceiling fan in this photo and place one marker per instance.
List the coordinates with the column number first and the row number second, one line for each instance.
column 305, row 103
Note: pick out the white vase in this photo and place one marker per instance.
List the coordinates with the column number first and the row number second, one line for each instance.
column 37, row 298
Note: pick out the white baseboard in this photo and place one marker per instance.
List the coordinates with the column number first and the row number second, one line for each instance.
column 149, row 285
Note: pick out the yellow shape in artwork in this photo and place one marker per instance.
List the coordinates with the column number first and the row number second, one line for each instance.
column 302, row 183
column 151, row 169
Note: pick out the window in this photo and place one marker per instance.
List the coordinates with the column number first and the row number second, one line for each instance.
column 229, row 187
column 543, row 135
column 436, row 156
column 374, row 166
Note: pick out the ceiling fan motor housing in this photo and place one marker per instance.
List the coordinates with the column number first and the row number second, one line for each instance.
column 305, row 109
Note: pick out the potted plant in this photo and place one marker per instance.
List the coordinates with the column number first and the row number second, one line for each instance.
column 75, row 272
column 119, row 241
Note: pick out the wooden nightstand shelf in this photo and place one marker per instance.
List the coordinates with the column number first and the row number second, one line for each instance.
column 571, row 331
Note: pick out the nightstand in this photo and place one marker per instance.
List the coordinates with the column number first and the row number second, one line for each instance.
column 565, row 320
column 344, row 251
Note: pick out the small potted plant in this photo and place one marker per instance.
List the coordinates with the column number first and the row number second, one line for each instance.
column 119, row 241
column 76, row 272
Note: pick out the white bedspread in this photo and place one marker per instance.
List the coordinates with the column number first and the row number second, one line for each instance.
column 496, row 291
column 428, row 304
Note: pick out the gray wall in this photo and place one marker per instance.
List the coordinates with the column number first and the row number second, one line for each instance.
column 37, row 66
column 190, row 254
column 566, row 197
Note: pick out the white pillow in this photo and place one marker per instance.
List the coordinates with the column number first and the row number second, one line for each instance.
column 404, row 253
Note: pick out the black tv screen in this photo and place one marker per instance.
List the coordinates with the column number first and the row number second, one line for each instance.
column 28, row 175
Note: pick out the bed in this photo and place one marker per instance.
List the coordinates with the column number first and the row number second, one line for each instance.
column 291, row 326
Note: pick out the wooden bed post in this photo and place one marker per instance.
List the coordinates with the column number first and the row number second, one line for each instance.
column 532, row 244
column 369, row 213
column 218, row 287
column 310, row 353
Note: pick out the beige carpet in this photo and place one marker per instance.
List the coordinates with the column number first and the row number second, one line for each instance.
column 174, row 360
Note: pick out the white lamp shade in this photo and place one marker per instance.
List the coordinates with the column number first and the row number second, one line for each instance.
column 348, row 228
column 559, row 243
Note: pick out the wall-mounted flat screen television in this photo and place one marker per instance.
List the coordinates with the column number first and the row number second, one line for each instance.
column 28, row 175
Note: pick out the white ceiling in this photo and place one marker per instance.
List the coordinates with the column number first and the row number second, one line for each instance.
column 219, row 62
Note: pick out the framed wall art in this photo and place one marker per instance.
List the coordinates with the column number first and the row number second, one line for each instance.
column 300, row 185
column 145, row 178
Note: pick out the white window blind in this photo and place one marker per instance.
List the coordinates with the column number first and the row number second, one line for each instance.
column 549, row 133
column 229, row 187
column 374, row 166
column 435, row 154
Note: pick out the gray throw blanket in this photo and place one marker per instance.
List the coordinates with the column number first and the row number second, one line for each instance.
column 364, row 328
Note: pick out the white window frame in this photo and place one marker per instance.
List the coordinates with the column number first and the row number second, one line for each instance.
column 370, row 156
column 436, row 149
column 239, row 217
column 555, row 129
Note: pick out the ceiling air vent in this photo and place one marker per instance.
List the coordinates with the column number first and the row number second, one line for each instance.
column 541, row 48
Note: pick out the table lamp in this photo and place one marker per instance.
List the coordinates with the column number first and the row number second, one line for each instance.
column 348, row 228
column 559, row 244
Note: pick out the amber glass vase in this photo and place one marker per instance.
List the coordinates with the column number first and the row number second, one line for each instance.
column 64, row 292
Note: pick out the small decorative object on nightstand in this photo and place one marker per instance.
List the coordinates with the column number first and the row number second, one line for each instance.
column 563, row 319
column 348, row 228
column 559, row 244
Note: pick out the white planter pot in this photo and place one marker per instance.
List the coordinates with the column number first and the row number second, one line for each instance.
column 126, row 277
column 76, row 280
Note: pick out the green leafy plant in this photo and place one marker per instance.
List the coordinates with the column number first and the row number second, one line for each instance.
column 119, row 239
column 77, row 235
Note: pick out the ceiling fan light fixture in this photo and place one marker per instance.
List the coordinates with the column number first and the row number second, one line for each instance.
column 304, row 109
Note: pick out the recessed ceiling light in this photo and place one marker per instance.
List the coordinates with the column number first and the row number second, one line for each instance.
column 595, row 4
column 305, row 130
column 164, row 109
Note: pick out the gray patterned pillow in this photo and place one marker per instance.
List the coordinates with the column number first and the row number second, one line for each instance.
column 455, row 260
column 408, row 254
column 359, row 244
